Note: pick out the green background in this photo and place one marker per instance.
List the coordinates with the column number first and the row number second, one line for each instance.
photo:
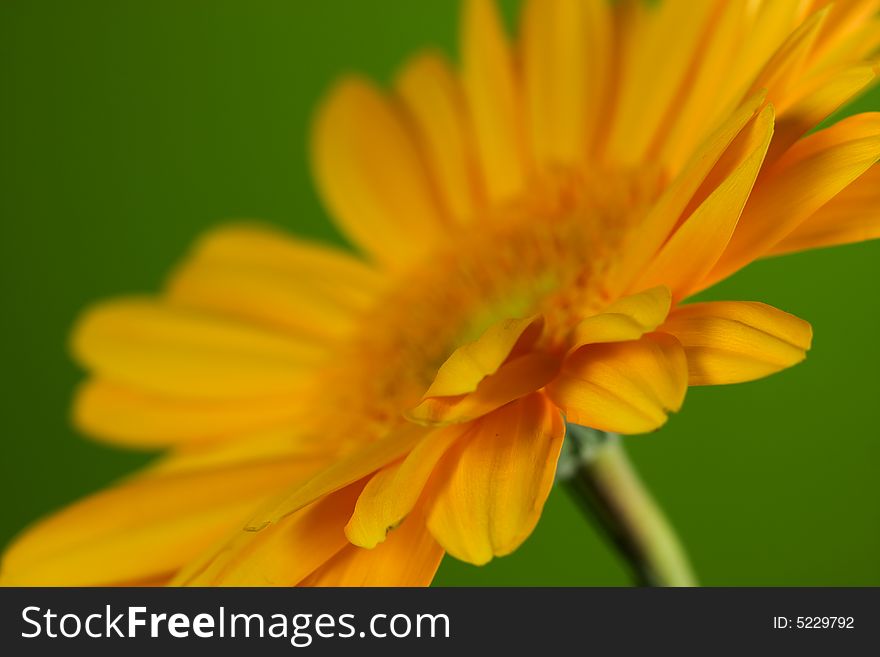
column 126, row 128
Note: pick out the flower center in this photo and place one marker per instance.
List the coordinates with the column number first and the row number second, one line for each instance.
column 547, row 254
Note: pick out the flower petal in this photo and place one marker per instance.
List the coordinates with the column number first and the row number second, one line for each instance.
column 474, row 361
column 736, row 341
column 147, row 526
column 851, row 216
column 265, row 247
column 492, row 486
column 409, row 557
column 666, row 211
column 281, row 555
column 809, row 175
column 128, row 416
column 646, row 89
column 342, row 473
column 275, row 445
column 695, row 247
column 565, row 49
column 817, row 104
column 840, row 31
column 493, row 100
column 394, row 490
column 786, row 64
column 627, row 318
column 172, row 351
column 435, row 101
column 371, row 175
column 624, row 387
column 514, row 379
column 709, row 96
column 263, row 276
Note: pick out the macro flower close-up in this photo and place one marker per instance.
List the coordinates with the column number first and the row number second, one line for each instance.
column 529, row 221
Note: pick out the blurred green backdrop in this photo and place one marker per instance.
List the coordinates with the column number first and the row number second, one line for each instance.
column 126, row 128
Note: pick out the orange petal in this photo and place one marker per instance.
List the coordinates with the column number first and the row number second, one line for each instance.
column 626, row 319
column 436, row 104
column 342, row 473
column 474, row 361
column 275, row 445
column 514, row 379
column 147, row 526
column 851, row 216
column 409, row 557
column 654, row 67
column 493, row 100
column 817, row 104
column 394, row 490
column 251, row 245
column 735, row 341
column 709, row 93
column 168, row 350
column 281, row 555
column 492, row 487
column 128, row 416
column 810, row 174
column 260, row 275
column 565, row 46
column 695, row 247
column 624, row 387
column 786, row 64
column 371, row 175
column 666, row 212
column 841, row 31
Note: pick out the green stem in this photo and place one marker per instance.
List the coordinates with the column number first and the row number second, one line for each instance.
column 607, row 487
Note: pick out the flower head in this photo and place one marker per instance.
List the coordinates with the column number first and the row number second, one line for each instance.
column 530, row 226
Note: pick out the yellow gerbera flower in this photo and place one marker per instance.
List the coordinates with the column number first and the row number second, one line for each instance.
column 530, row 227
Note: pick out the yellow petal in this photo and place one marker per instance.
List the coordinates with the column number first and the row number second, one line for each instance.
column 492, row 486
column 665, row 213
column 695, row 247
column 698, row 111
column 493, row 100
column 786, row 64
column 394, row 490
column 654, row 68
column 281, row 555
column 565, row 48
column 851, row 216
column 455, row 399
column 301, row 306
column 817, row 104
column 275, row 445
column 840, row 31
column 342, row 473
column 624, row 387
column 474, row 361
column 172, row 351
column 371, row 175
column 859, row 44
column 262, row 276
column 409, row 557
column 253, row 245
column 436, row 104
column 768, row 25
column 128, row 416
column 147, row 526
column 736, row 341
column 810, row 174
column 626, row 319
column 514, row 379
